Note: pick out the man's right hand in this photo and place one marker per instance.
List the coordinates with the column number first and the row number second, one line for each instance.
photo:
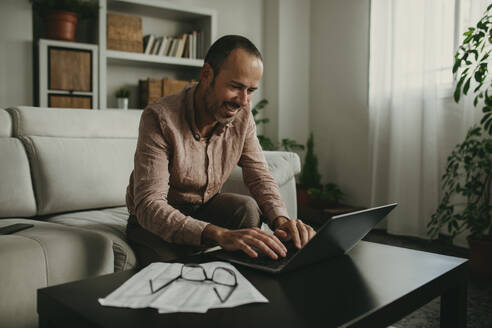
column 245, row 240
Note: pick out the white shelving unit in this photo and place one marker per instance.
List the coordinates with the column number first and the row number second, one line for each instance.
column 160, row 18
column 45, row 91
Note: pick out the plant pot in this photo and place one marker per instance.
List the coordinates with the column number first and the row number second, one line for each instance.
column 303, row 198
column 480, row 257
column 60, row 25
column 122, row 103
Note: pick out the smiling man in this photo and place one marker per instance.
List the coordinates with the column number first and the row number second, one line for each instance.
column 188, row 145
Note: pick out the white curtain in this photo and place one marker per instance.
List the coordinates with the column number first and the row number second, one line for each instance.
column 413, row 121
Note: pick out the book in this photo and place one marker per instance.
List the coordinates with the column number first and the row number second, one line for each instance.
column 181, row 44
column 163, row 46
column 157, row 45
column 168, row 46
column 193, row 44
column 148, row 41
column 172, row 52
column 154, row 44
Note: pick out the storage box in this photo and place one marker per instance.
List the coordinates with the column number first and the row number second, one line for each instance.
column 152, row 89
column 124, row 33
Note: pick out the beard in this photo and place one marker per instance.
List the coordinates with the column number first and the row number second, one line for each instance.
column 214, row 107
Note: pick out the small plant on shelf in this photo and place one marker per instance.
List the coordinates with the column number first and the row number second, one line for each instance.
column 122, row 96
column 123, row 93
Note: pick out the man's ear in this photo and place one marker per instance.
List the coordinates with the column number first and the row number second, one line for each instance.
column 207, row 74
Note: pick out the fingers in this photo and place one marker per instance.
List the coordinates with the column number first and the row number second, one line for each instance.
column 247, row 249
column 270, row 243
column 294, row 233
column 299, row 232
column 311, row 231
column 266, row 243
column 303, row 233
column 281, row 234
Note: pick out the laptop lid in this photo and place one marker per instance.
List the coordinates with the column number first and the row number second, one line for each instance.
column 336, row 237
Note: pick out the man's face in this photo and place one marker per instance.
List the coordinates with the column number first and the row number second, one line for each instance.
column 230, row 91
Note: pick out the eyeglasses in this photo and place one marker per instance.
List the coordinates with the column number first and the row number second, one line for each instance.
column 195, row 272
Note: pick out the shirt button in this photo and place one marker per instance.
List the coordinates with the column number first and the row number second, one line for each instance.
column 197, row 136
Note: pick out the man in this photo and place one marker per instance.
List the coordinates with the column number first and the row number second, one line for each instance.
column 188, row 145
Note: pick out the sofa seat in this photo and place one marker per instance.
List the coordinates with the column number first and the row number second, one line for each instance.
column 111, row 223
column 45, row 255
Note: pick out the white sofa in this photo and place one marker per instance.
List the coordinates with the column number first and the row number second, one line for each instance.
column 66, row 172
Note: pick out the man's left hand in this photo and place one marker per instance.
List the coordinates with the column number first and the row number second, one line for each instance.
column 298, row 231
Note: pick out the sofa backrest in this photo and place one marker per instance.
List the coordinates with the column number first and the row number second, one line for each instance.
column 80, row 159
column 16, row 191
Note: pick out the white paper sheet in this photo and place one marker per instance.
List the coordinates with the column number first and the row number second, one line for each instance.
column 181, row 295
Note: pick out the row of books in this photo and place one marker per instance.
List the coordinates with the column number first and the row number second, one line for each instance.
column 184, row 46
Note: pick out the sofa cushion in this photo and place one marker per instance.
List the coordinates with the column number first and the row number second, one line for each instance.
column 109, row 222
column 45, row 255
column 16, row 191
column 282, row 165
column 79, row 123
column 5, row 124
column 72, row 174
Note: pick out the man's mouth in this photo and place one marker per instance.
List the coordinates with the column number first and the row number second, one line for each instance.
column 231, row 108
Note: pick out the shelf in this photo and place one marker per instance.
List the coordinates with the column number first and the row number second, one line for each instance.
column 137, row 57
column 160, row 9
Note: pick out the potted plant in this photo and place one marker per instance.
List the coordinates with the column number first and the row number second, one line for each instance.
column 465, row 204
column 310, row 191
column 61, row 16
column 265, row 142
column 309, row 177
column 122, row 96
column 326, row 196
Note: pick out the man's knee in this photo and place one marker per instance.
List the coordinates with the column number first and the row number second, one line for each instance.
column 248, row 213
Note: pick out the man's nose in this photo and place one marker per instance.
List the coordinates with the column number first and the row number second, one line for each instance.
column 243, row 98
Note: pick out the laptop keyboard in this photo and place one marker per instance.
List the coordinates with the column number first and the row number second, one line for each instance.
column 265, row 260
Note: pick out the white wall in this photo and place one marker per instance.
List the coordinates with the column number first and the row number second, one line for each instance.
column 287, row 63
column 16, row 79
column 16, row 84
column 339, row 94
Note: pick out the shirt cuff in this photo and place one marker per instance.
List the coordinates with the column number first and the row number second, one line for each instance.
column 192, row 231
column 274, row 213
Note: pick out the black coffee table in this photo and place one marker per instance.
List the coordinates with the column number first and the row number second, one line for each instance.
column 373, row 286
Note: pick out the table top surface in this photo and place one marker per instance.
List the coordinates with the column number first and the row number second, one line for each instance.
column 338, row 292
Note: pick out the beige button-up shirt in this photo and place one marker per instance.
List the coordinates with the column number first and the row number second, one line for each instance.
column 176, row 167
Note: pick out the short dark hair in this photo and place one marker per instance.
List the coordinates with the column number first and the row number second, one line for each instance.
column 220, row 50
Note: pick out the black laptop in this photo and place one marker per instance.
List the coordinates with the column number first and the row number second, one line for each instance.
column 336, row 237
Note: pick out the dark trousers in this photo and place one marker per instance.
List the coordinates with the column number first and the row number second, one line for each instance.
column 227, row 210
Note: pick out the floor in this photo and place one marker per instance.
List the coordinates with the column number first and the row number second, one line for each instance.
column 479, row 311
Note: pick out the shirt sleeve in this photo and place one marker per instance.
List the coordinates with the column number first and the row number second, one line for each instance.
column 151, row 186
column 258, row 178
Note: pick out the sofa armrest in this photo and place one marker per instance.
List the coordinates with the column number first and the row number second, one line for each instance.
column 45, row 255
column 283, row 166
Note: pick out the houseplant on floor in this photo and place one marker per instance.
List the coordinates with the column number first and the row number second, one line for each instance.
column 61, row 16
column 465, row 204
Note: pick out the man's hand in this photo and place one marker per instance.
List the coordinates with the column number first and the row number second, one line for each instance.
column 298, row 231
column 245, row 239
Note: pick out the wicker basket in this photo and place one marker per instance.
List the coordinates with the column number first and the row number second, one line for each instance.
column 149, row 90
column 124, row 33
column 152, row 89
